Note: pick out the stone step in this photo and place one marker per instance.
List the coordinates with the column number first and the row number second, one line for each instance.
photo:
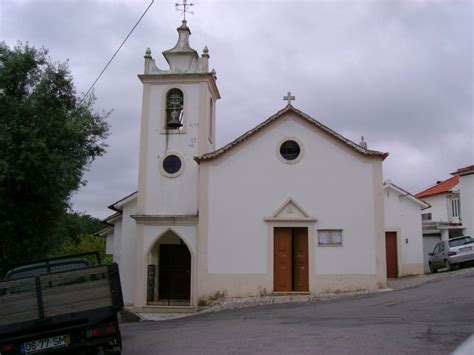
column 290, row 294
column 165, row 309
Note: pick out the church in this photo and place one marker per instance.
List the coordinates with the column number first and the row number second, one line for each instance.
column 290, row 206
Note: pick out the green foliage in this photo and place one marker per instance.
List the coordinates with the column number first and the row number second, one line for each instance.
column 87, row 243
column 47, row 139
column 72, row 225
column 74, row 233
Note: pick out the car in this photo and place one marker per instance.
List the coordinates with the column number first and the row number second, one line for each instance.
column 452, row 253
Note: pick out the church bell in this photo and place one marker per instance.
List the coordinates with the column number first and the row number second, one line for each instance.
column 174, row 121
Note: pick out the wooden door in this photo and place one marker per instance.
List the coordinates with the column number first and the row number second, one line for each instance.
column 282, row 260
column 300, row 260
column 391, row 254
column 174, row 272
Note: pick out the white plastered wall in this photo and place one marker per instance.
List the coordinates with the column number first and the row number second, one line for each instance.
column 128, row 251
column 333, row 183
column 161, row 191
column 466, row 192
column 438, row 209
column 403, row 216
column 117, row 242
column 109, row 243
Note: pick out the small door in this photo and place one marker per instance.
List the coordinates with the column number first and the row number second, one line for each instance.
column 174, row 272
column 300, row 260
column 391, row 254
column 282, row 260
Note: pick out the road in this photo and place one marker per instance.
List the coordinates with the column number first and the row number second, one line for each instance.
column 433, row 318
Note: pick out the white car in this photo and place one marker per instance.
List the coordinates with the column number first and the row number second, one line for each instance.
column 450, row 253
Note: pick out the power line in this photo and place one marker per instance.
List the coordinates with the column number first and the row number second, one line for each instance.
column 116, row 52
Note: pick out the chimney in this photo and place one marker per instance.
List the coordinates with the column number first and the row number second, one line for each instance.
column 362, row 143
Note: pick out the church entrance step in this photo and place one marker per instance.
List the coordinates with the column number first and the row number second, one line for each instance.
column 165, row 309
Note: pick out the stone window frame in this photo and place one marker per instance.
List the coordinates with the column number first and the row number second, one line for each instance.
column 294, row 161
column 163, row 113
column 179, row 172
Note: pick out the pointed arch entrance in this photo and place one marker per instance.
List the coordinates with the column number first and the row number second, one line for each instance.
column 169, row 272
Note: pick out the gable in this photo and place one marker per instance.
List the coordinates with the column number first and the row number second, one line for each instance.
column 291, row 210
column 301, row 116
column 388, row 185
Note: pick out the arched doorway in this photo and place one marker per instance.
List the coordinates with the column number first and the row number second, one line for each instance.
column 169, row 272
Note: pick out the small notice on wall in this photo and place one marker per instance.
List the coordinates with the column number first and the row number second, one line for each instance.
column 330, row 237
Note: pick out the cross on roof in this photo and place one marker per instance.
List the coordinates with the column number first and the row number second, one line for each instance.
column 289, row 98
column 184, row 8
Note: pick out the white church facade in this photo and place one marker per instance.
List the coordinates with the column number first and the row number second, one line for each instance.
column 288, row 207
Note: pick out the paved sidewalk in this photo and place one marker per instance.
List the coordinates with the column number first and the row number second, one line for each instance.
column 242, row 302
column 411, row 281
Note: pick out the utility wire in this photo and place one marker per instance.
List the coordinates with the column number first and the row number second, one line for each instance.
column 116, row 52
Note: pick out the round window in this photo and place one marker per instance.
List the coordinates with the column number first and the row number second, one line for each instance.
column 290, row 150
column 171, row 164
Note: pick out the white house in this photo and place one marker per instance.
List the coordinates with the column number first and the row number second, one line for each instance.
column 446, row 218
column 403, row 231
column 466, row 197
column 289, row 206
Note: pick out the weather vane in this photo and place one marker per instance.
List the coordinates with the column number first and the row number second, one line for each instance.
column 184, row 8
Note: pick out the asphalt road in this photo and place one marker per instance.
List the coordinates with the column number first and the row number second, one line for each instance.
column 432, row 318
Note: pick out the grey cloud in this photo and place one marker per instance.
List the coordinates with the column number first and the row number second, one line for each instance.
column 398, row 72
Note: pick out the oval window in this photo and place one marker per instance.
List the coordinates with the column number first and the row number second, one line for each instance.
column 290, row 150
column 172, row 164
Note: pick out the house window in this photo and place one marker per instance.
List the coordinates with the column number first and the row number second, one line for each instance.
column 174, row 109
column 328, row 237
column 455, row 207
column 426, row 216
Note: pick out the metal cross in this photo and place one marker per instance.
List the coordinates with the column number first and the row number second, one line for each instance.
column 184, row 8
column 289, row 98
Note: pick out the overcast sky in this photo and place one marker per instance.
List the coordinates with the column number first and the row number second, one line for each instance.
column 400, row 73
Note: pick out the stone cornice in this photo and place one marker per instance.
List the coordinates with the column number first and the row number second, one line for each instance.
column 181, row 78
column 289, row 219
column 183, row 220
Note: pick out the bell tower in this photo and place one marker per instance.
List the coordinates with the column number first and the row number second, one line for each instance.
column 177, row 124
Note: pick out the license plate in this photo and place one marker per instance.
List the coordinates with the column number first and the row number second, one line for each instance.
column 34, row 346
column 465, row 248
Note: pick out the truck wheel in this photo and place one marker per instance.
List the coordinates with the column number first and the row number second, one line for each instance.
column 433, row 270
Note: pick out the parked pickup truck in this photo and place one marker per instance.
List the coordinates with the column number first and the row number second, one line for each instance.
column 60, row 304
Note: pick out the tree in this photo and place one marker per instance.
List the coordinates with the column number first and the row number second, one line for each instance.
column 48, row 136
column 75, row 233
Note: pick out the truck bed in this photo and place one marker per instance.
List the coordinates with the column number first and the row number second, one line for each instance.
column 70, row 297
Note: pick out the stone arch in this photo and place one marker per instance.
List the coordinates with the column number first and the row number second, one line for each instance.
column 158, row 237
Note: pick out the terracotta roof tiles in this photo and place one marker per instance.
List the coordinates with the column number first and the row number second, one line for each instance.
column 440, row 188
